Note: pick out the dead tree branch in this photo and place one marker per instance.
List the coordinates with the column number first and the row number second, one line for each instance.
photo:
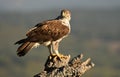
column 64, row 67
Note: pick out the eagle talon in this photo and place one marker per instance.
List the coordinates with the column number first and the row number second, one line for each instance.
column 48, row 33
column 60, row 57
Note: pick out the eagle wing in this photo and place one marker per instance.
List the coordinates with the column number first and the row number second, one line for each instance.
column 48, row 31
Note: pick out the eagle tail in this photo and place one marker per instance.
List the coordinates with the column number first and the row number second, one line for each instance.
column 21, row 41
column 24, row 48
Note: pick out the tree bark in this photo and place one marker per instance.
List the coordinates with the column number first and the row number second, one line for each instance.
column 64, row 67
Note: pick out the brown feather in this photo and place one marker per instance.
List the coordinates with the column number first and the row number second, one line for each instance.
column 21, row 41
column 48, row 31
column 24, row 48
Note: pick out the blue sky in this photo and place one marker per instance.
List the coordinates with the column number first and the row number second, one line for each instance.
column 55, row 4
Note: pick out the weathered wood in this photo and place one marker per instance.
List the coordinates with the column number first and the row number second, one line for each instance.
column 64, row 67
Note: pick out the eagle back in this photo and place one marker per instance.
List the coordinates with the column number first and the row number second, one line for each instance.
column 49, row 30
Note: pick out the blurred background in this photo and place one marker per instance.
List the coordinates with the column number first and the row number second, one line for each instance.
column 95, row 33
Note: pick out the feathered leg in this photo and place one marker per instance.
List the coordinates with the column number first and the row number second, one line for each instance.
column 55, row 46
column 50, row 49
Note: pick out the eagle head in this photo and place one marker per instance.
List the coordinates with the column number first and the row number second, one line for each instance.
column 66, row 14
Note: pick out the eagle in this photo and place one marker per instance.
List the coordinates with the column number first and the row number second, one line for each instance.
column 48, row 33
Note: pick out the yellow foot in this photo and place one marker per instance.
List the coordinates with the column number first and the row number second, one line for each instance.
column 61, row 57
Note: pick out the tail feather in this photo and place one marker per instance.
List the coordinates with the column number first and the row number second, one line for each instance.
column 24, row 48
column 21, row 41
